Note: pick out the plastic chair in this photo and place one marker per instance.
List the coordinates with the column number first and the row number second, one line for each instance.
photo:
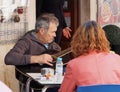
column 100, row 88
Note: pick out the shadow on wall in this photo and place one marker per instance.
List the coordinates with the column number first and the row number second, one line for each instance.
column 113, row 35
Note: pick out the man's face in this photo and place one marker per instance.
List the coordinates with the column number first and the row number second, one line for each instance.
column 49, row 34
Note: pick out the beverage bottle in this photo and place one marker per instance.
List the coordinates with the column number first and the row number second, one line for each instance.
column 59, row 69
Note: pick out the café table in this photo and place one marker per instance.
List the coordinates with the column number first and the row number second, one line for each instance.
column 48, row 83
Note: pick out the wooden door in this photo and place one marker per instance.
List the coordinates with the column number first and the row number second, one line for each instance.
column 72, row 17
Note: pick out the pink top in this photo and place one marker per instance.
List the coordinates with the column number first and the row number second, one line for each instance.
column 95, row 68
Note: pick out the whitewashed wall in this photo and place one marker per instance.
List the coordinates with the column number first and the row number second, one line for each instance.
column 31, row 15
column 7, row 72
column 93, row 9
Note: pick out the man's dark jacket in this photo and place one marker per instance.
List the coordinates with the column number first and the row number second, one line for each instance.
column 28, row 45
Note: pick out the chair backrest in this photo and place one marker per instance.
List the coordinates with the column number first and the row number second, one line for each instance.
column 100, row 88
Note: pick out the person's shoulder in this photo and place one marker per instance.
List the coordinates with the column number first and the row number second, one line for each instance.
column 28, row 35
column 29, row 32
column 114, row 55
column 74, row 61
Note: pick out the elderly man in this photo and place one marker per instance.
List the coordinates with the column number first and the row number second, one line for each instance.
column 35, row 47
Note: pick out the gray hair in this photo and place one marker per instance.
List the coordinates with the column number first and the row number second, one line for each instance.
column 44, row 21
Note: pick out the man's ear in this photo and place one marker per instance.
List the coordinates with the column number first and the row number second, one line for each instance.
column 41, row 30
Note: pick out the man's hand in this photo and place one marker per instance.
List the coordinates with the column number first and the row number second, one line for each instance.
column 42, row 59
column 66, row 32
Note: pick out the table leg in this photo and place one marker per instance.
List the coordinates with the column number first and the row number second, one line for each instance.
column 28, row 85
column 44, row 89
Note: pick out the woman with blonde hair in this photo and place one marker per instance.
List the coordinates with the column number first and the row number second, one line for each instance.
column 93, row 62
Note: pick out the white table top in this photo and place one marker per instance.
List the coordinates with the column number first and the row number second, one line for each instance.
column 38, row 78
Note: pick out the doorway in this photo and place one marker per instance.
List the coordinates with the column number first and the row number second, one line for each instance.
column 71, row 10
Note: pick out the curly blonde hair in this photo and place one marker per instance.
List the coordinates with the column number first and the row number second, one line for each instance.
column 89, row 37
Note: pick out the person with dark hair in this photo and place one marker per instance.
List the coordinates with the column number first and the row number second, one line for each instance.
column 35, row 47
column 113, row 35
column 55, row 7
column 93, row 63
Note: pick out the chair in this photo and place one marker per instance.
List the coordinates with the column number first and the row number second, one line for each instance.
column 100, row 88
